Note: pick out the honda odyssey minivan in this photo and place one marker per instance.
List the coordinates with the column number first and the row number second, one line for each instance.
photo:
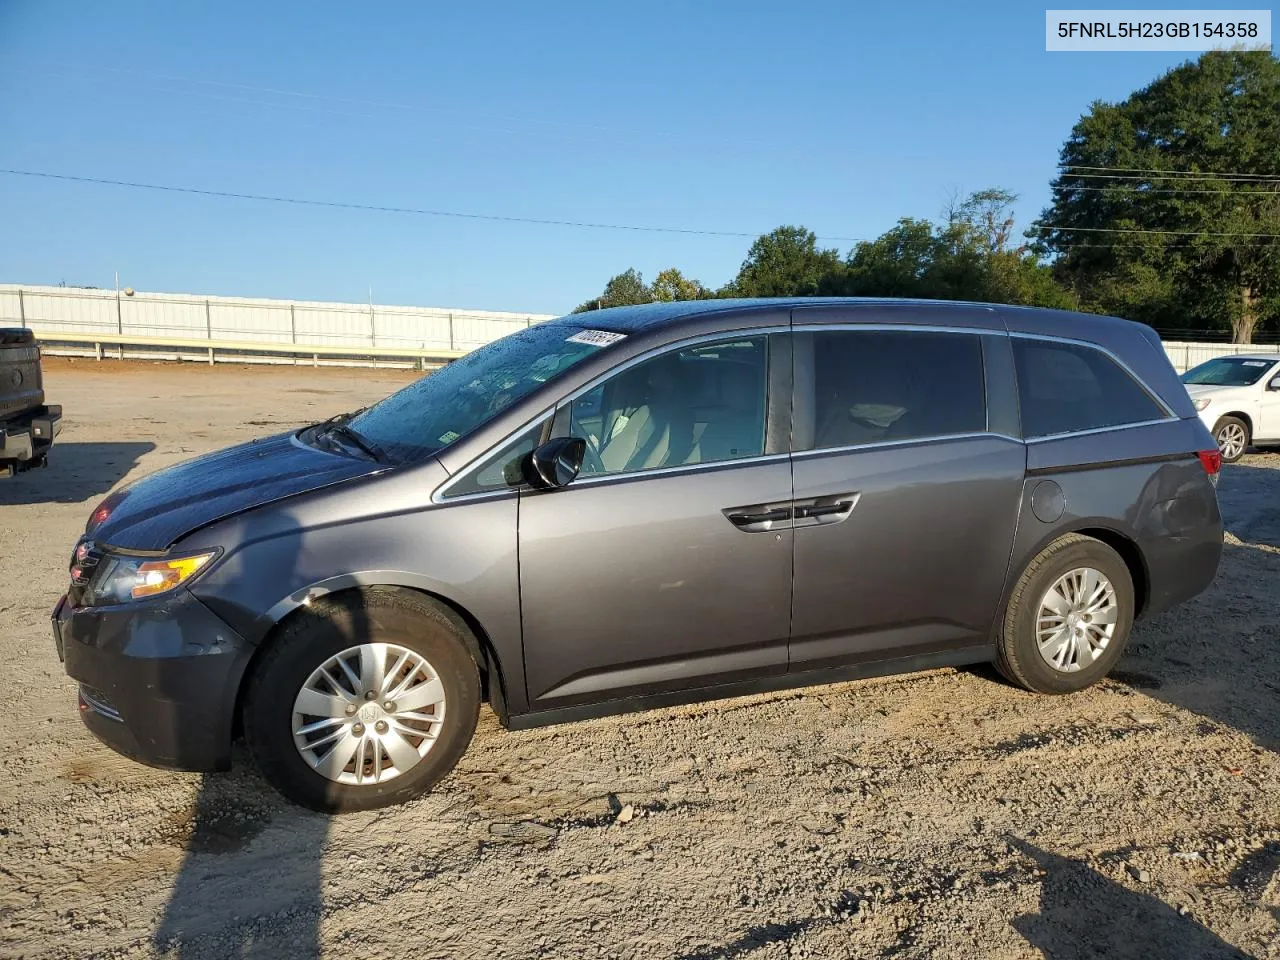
column 638, row 507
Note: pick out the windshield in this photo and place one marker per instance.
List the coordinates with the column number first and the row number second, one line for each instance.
column 1228, row 372
column 433, row 412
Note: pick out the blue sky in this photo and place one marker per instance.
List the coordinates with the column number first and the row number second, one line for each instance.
column 721, row 116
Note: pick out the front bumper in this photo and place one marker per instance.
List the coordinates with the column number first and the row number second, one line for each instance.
column 158, row 679
column 25, row 440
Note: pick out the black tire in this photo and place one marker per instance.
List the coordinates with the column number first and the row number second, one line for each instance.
column 1017, row 655
column 1221, row 426
column 325, row 628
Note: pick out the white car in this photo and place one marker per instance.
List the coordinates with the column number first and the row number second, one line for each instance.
column 1238, row 398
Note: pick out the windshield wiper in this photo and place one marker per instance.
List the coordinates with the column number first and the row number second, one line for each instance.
column 340, row 429
column 337, row 418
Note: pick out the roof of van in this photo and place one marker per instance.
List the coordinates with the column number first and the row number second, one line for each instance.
column 647, row 316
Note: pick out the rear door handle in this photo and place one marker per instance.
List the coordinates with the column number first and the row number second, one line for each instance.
column 742, row 520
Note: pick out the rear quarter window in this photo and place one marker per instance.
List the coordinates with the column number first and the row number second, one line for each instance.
column 1065, row 388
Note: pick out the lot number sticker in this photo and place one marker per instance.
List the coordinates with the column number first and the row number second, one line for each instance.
column 597, row 338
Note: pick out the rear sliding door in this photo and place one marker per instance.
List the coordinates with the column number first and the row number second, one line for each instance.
column 906, row 490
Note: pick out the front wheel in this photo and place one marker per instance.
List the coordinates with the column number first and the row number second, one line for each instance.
column 1232, row 436
column 1068, row 618
column 362, row 701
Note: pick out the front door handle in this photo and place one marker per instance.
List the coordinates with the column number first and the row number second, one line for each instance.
column 742, row 520
column 843, row 507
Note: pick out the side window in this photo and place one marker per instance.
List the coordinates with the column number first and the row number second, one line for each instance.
column 502, row 468
column 872, row 386
column 1064, row 387
column 700, row 405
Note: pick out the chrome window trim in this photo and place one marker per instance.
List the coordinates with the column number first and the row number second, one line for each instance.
column 880, row 444
column 440, row 498
column 898, row 328
column 582, row 481
column 1070, row 341
column 1092, row 430
column 441, row 494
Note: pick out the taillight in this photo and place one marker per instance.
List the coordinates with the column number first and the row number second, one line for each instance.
column 1211, row 460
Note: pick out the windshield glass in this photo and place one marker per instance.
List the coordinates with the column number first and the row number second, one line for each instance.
column 433, row 412
column 1228, row 372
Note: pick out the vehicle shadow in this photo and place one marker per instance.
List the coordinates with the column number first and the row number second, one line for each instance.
column 1085, row 914
column 250, row 883
column 76, row 472
column 1219, row 654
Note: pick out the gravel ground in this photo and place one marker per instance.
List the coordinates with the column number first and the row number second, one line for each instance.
column 940, row 814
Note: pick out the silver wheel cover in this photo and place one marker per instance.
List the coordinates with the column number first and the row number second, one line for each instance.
column 1231, row 441
column 1076, row 619
column 368, row 714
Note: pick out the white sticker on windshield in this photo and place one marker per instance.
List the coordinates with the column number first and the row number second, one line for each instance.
column 597, row 338
column 1256, row 363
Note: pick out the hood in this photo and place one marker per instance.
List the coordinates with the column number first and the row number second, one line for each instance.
column 161, row 508
column 1197, row 390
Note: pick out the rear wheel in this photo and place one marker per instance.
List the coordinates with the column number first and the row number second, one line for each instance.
column 1232, row 437
column 363, row 701
column 1068, row 618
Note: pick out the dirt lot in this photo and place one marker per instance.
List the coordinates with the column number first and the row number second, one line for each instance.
column 943, row 814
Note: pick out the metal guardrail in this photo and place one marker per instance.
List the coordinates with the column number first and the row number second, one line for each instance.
column 239, row 350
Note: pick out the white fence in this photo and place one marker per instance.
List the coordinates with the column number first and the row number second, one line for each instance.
column 157, row 325
column 240, row 325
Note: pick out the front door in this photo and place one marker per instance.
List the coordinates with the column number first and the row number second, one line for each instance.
column 659, row 568
column 1268, row 426
column 906, row 501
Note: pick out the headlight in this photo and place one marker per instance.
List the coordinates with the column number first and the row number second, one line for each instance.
column 121, row 578
column 1201, row 403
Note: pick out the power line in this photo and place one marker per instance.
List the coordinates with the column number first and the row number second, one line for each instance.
column 1177, row 233
column 631, row 132
column 1138, row 188
column 1174, row 178
column 419, row 211
column 1196, row 173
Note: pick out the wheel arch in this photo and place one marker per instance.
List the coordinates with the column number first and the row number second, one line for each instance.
column 1239, row 415
column 474, row 636
column 1133, row 558
column 1120, row 541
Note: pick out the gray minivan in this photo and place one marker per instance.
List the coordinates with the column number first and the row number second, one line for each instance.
column 639, row 507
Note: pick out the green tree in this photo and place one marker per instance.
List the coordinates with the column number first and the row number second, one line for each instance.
column 898, row 263
column 786, row 263
column 671, row 285
column 1165, row 202
column 970, row 257
column 623, row 290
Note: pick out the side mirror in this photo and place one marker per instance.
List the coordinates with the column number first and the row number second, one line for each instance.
column 1274, row 384
column 555, row 463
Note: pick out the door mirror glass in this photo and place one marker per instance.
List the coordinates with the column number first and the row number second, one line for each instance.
column 555, row 463
column 1274, row 384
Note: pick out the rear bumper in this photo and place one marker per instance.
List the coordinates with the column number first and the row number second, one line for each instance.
column 158, row 680
column 25, row 440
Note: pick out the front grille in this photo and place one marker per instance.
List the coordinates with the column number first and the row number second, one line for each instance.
column 98, row 702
